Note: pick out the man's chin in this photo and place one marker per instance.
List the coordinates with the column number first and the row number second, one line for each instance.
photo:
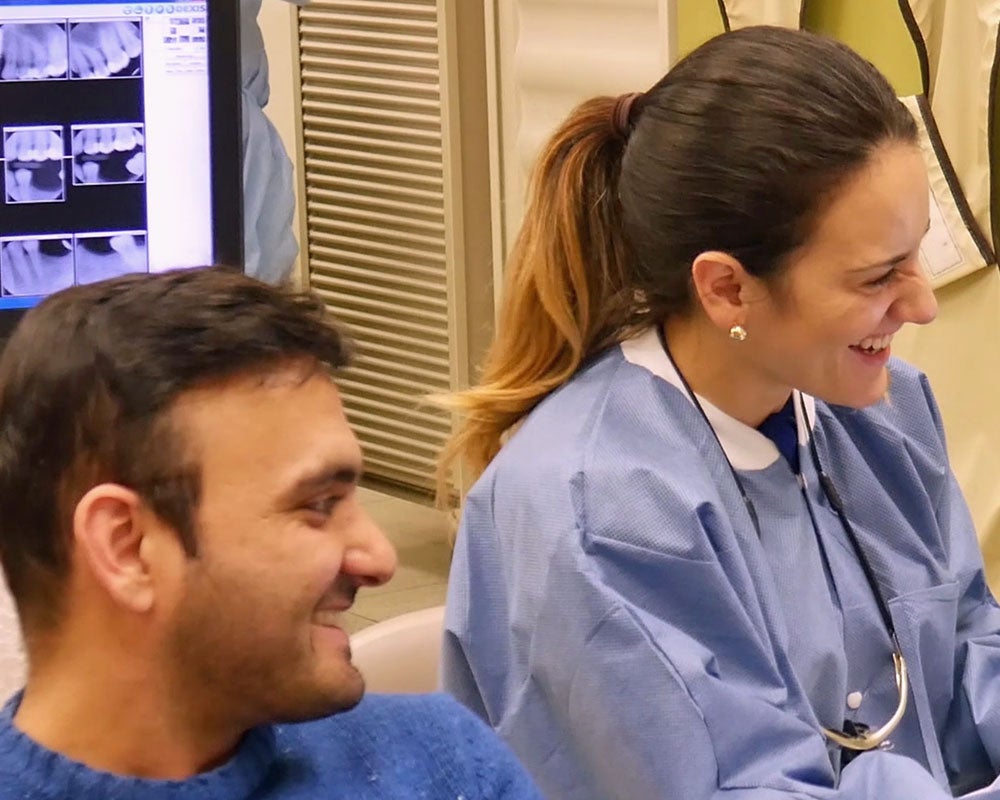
column 324, row 701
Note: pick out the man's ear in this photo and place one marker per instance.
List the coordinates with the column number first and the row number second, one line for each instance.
column 109, row 524
column 723, row 287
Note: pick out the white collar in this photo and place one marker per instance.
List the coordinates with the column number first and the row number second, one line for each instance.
column 745, row 447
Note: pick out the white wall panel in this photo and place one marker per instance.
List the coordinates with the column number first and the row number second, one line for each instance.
column 548, row 56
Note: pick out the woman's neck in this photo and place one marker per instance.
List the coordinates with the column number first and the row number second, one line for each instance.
column 722, row 371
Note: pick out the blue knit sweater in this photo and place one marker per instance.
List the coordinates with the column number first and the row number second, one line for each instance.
column 390, row 746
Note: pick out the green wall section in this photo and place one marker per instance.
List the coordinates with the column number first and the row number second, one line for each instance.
column 875, row 28
column 697, row 22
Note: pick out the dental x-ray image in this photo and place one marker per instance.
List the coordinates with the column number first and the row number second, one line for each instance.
column 32, row 266
column 109, row 255
column 105, row 49
column 108, row 154
column 32, row 51
column 33, row 165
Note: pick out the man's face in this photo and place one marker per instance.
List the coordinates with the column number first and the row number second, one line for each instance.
column 283, row 545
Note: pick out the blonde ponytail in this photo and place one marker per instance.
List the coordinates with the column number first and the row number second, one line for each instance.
column 567, row 291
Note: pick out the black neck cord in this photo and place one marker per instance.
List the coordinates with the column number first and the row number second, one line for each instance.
column 829, row 490
column 833, row 498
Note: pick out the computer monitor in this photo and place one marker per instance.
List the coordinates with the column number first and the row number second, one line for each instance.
column 120, row 142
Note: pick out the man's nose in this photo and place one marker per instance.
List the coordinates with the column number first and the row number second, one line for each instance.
column 370, row 557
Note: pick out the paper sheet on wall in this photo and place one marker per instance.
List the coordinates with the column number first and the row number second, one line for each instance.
column 954, row 245
column 939, row 253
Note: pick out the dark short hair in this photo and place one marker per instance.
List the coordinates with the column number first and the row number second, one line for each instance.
column 87, row 382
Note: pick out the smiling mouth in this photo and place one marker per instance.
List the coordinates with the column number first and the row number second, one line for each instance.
column 873, row 345
column 327, row 619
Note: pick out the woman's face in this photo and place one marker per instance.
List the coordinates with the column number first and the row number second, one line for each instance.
column 826, row 325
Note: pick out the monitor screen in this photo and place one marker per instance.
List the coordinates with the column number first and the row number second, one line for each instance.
column 119, row 142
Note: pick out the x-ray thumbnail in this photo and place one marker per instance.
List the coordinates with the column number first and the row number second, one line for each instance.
column 36, row 265
column 33, row 165
column 33, row 51
column 108, row 255
column 106, row 48
column 108, row 154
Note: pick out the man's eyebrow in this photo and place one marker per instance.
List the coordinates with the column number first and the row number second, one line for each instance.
column 323, row 478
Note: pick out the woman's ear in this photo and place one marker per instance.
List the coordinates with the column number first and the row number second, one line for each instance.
column 722, row 286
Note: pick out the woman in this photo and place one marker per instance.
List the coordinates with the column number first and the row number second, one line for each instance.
column 719, row 556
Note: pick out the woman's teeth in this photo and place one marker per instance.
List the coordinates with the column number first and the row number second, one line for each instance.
column 874, row 344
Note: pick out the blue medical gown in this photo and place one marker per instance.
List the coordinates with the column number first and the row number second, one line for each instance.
column 613, row 613
column 268, row 188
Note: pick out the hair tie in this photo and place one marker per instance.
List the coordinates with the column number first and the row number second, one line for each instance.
column 621, row 114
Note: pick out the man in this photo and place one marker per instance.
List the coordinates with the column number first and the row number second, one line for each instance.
column 180, row 530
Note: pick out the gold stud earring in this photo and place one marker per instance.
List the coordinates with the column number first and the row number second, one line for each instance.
column 738, row 333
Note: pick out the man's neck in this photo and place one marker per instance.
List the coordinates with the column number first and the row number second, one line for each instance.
column 125, row 723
